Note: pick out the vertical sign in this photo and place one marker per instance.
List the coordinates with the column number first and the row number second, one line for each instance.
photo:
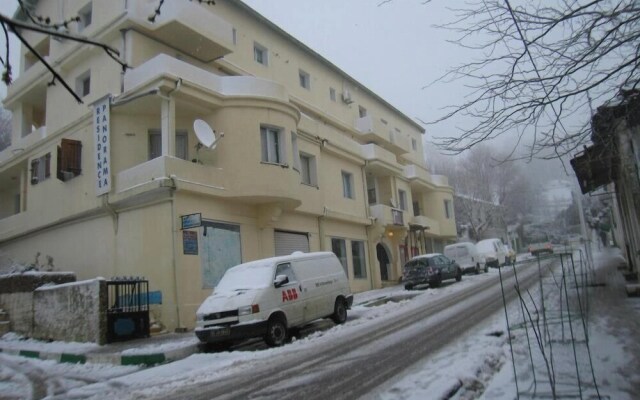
column 101, row 136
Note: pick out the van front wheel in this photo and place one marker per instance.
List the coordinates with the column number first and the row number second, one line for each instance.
column 339, row 315
column 276, row 332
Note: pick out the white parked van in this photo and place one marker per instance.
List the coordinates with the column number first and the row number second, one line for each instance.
column 467, row 256
column 494, row 252
column 269, row 297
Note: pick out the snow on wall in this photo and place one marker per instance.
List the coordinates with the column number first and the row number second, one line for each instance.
column 16, row 295
column 71, row 312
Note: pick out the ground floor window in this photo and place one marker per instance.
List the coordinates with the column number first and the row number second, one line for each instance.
column 221, row 250
column 359, row 263
column 339, row 248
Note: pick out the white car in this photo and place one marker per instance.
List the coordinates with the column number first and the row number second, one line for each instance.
column 467, row 256
column 494, row 252
column 266, row 298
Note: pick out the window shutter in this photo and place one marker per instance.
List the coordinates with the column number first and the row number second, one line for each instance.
column 72, row 156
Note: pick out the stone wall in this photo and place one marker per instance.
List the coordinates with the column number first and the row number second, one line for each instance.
column 71, row 312
column 16, row 296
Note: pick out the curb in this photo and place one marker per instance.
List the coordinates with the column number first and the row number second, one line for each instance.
column 146, row 360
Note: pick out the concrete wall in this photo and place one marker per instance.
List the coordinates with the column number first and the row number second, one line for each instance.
column 71, row 312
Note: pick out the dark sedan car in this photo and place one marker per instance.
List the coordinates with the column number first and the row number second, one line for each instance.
column 429, row 268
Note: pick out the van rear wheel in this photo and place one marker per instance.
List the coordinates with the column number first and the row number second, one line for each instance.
column 339, row 315
column 276, row 332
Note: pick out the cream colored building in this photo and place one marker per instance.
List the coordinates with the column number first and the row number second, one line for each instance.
column 310, row 158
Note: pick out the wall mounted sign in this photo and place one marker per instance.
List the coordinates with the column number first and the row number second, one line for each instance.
column 190, row 242
column 101, row 116
column 191, row 220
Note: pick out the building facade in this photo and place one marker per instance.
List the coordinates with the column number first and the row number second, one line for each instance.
column 613, row 162
column 129, row 184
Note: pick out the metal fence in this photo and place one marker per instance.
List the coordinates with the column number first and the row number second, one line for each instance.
column 128, row 312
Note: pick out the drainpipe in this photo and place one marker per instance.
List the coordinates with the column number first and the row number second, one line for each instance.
column 174, row 230
column 321, row 227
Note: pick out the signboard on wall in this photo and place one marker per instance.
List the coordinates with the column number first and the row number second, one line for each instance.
column 191, row 220
column 101, row 134
column 190, row 242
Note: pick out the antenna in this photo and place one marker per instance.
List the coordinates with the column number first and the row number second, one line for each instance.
column 206, row 136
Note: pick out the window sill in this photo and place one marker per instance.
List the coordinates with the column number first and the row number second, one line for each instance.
column 274, row 164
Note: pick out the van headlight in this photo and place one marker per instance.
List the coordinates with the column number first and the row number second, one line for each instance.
column 248, row 310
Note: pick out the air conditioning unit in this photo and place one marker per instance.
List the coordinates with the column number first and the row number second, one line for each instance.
column 346, row 96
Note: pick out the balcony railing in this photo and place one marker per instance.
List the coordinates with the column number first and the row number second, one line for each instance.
column 380, row 160
column 386, row 215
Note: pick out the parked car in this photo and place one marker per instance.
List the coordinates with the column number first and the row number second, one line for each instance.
column 429, row 268
column 494, row 252
column 467, row 256
column 540, row 248
column 271, row 296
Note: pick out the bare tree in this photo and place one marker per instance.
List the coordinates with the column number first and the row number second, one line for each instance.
column 489, row 193
column 542, row 65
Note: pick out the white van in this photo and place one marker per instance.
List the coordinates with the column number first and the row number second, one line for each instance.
column 467, row 256
column 494, row 252
column 271, row 296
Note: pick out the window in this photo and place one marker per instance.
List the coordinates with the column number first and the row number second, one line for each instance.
column 305, row 79
column 295, row 152
column 332, row 94
column 416, row 208
column 85, row 17
column 359, row 265
column 285, row 269
column 414, row 144
column 260, row 54
column 447, row 209
column 155, row 144
column 402, row 195
column 83, row 84
column 371, row 194
column 272, row 146
column 69, row 159
column 339, row 248
column 308, row 169
column 362, row 111
column 347, row 185
column 40, row 169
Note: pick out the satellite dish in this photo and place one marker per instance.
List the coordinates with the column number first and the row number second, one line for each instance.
column 205, row 134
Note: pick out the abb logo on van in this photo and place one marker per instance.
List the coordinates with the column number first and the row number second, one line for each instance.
column 289, row 294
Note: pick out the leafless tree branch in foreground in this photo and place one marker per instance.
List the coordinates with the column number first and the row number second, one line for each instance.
column 543, row 65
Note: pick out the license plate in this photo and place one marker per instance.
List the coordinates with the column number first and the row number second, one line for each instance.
column 220, row 332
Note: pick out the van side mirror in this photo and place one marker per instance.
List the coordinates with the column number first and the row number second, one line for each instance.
column 280, row 280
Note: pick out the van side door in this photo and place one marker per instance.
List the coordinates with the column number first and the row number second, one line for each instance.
column 289, row 295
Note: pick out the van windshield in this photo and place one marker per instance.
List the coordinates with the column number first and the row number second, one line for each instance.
column 253, row 275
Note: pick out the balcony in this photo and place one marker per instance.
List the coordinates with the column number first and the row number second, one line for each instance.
column 259, row 185
column 380, row 161
column 186, row 26
column 387, row 216
column 374, row 130
column 151, row 73
column 30, row 86
column 431, row 225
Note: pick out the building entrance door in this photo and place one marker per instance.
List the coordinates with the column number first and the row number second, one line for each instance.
column 383, row 260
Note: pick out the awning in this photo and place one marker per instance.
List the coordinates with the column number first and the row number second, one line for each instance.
column 595, row 167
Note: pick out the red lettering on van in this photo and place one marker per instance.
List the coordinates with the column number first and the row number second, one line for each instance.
column 289, row 295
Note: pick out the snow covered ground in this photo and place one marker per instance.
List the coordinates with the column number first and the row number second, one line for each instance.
column 477, row 365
